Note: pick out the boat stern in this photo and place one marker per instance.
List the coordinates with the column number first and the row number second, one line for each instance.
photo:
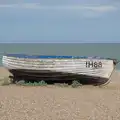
column 115, row 61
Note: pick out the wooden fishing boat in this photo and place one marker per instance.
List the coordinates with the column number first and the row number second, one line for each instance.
column 91, row 70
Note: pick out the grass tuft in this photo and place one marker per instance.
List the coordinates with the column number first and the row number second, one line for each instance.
column 76, row 84
column 41, row 83
column 5, row 81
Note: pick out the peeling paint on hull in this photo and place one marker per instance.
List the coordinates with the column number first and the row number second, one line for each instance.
column 85, row 69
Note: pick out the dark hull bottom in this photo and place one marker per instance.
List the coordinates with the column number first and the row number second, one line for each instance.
column 55, row 77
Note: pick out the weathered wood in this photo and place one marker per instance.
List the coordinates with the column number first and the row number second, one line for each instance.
column 89, row 70
column 89, row 67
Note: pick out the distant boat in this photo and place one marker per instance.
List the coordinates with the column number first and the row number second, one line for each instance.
column 95, row 69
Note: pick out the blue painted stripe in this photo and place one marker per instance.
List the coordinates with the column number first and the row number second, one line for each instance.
column 51, row 56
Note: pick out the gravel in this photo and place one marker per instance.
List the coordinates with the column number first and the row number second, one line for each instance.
column 53, row 103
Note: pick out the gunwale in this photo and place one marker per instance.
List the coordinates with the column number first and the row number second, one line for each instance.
column 28, row 56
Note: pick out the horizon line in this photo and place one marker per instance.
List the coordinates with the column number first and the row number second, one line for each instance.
column 56, row 42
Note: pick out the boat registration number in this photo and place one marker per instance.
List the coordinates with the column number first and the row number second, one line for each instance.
column 92, row 64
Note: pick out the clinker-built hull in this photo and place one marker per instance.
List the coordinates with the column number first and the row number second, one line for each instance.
column 60, row 68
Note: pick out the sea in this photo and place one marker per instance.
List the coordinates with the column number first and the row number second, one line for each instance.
column 108, row 50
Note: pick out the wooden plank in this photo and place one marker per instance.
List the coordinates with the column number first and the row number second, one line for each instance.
column 90, row 67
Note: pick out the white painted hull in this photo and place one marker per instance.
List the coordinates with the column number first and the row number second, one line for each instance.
column 75, row 66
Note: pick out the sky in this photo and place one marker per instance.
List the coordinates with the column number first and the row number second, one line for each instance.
column 56, row 21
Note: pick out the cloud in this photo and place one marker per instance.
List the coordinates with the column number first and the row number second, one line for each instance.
column 101, row 8
column 98, row 8
column 86, row 10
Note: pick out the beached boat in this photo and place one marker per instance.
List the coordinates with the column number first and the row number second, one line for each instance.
column 95, row 70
